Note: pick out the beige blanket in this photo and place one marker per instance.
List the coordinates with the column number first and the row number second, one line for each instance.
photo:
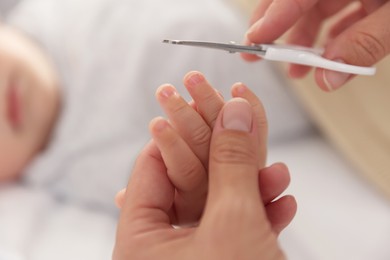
column 356, row 119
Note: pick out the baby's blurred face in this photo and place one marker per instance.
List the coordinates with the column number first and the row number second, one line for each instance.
column 29, row 102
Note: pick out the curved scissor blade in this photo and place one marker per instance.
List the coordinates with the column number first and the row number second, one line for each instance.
column 232, row 48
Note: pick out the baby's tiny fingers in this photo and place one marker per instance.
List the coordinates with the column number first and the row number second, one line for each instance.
column 187, row 121
column 208, row 101
column 184, row 169
column 120, row 198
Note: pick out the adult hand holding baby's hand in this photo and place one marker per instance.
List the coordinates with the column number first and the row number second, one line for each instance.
column 184, row 146
column 235, row 223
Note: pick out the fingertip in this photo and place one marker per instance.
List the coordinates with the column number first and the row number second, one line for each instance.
column 291, row 206
column 189, row 74
column 247, row 56
column 282, row 169
column 157, row 125
column 319, row 78
column 239, row 89
column 193, row 78
column 281, row 212
column 165, row 91
column 273, row 181
column 120, row 198
column 250, row 57
column 237, row 115
column 330, row 81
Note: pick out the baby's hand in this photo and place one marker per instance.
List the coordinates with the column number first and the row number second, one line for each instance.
column 184, row 143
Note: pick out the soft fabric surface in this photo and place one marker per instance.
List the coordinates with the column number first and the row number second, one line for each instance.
column 35, row 226
column 111, row 60
column 339, row 216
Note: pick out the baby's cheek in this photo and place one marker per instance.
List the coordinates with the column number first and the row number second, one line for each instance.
column 14, row 157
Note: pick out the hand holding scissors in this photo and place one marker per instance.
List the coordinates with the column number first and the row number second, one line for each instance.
column 285, row 53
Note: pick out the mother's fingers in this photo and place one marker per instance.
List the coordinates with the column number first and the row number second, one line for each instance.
column 349, row 18
column 364, row 44
column 260, row 11
column 149, row 194
column 305, row 33
column 372, row 5
column 281, row 212
column 273, row 181
column 279, row 17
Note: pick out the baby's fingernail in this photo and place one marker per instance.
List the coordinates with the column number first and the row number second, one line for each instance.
column 159, row 124
column 239, row 88
column 334, row 79
column 237, row 115
column 167, row 91
column 195, row 79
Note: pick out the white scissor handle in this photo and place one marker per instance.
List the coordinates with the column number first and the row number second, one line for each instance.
column 311, row 57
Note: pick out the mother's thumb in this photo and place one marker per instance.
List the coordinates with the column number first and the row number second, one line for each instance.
column 234, row 153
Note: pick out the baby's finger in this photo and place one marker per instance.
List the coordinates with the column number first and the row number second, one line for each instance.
column 184, row 169
column 240, row 90
column 120, row 198
column 208, row 101
column 188, row 122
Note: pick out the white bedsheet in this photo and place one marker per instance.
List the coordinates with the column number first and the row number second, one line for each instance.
column 339, row 215
column 33, row 226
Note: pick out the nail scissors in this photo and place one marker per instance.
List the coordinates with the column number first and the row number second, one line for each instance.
column 286, row 53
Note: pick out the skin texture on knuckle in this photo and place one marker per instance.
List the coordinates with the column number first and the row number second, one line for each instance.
column 201, row 136
column 234, row 148
column 191, row 175
column 253, row 241
column 367, row 48
column 261, row 117
column 301, row 5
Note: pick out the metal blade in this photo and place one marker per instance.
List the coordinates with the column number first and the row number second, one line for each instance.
column 232, row 47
